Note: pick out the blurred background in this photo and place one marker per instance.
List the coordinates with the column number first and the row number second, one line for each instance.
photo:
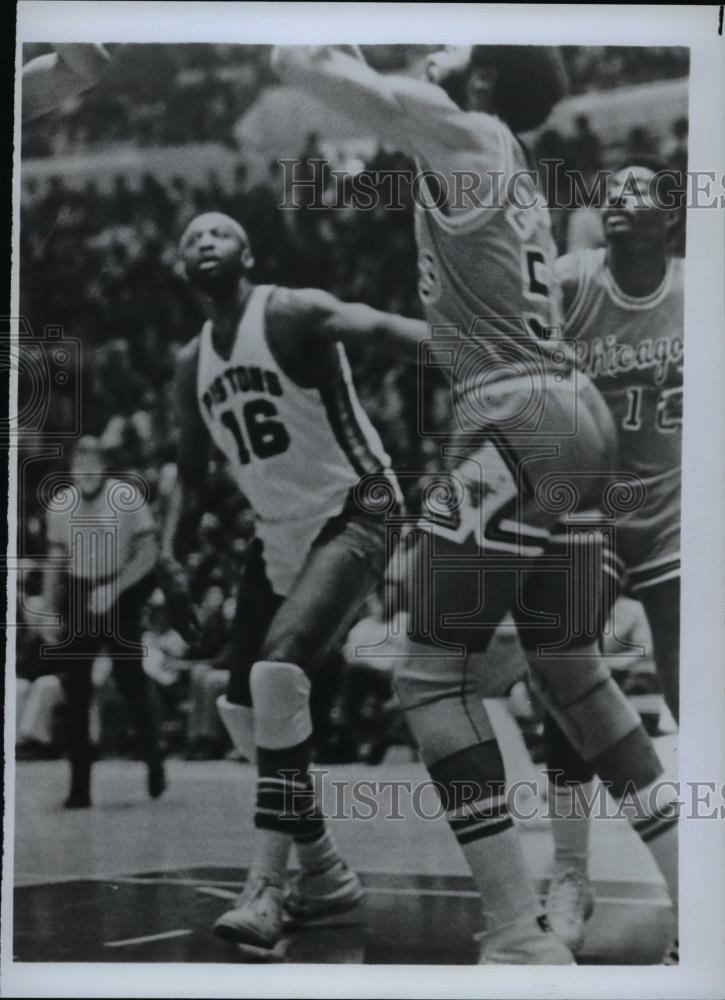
column 108, row 183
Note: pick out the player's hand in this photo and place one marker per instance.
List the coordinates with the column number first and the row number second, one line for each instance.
column 182, row 613
column 88, row 61
column 102, row 599
column 447, row 60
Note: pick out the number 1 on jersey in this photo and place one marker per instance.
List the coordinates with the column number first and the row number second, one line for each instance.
column 633, row 420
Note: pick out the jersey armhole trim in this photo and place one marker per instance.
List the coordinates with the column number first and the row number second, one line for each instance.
column 311, row 387
column 575, row 312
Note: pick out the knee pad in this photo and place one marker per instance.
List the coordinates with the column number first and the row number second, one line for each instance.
column 281, row 700
column 439, row 695
column 238, row 720
column 580, row 694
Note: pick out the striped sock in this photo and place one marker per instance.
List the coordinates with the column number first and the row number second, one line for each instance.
column 286, row 803
column 317, row 852
column 286, row 808
column 485, row 831
column 658, row 830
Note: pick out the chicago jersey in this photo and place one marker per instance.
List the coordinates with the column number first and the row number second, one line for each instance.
column 294, row 452
column 492, row 265
column 632, row 348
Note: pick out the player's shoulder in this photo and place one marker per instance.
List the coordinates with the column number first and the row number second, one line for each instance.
column 577, row 273
column 299, row 305
column 574, row 266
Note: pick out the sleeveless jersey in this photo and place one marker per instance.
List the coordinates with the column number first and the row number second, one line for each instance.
column 493, row 264
column 294, row 452
column 632, row 349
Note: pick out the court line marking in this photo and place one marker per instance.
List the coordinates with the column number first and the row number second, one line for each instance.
column 36, row 881
column 146, row 938
column 215, row 888
column 208, row 890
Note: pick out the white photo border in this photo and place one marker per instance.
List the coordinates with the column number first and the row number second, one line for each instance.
column 701, row 972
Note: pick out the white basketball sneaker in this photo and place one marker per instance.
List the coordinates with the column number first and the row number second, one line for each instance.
column 257, row 917
column 313, row 895
column 569, row 904
column 529, row 941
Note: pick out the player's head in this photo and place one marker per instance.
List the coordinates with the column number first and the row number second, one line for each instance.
column 519, row 83
column 643, row 198
column 215, row 251
column 89, row 466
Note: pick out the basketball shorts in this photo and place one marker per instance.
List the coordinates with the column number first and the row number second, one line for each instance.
column 515, row 524
column 648, row 538
column 344, row 563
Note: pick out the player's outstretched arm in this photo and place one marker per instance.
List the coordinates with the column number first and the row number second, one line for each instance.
column 567, row 269
column 50, row 79
column 329, row 320
column 185, row 505
column 415, row 115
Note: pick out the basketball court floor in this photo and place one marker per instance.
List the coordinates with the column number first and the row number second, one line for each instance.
column 133, row 880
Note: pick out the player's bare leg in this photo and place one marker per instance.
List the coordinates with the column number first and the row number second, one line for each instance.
column 570, row 787
column 436, row 686
column 321, row 606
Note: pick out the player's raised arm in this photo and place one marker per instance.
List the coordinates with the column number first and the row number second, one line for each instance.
column 185, row 505
column 329, row 319
column 568, row 273
column 414, row 114
column 50, row 79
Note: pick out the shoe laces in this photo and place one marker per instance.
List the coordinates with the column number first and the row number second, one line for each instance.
column 566, row 892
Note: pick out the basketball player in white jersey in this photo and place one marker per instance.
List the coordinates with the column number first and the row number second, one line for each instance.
column 54, row 77
column 268, row 383
column 530, row 447
column 624, row 304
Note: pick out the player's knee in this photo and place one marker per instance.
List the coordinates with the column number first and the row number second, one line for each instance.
column 285, row 645
column 281, row 699
column 585, row 701
column 440, row 699
column 570, row 676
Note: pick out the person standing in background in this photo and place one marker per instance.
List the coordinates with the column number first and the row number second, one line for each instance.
column 102, row 550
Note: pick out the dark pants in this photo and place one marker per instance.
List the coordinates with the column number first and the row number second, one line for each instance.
column 118, row 633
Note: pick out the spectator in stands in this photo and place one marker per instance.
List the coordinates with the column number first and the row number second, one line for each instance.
column 675, row 150
column 584, row 148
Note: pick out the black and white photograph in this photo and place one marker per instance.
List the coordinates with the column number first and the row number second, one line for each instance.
column 365, row 508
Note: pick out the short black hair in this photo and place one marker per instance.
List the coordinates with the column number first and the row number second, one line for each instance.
column 530, row 81
column 671, row 186
column 657, row 164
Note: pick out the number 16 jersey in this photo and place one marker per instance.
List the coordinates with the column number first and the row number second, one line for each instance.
column 294, row 452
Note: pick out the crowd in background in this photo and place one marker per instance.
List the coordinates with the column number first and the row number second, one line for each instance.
column 102, row 264
column 163, row 94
